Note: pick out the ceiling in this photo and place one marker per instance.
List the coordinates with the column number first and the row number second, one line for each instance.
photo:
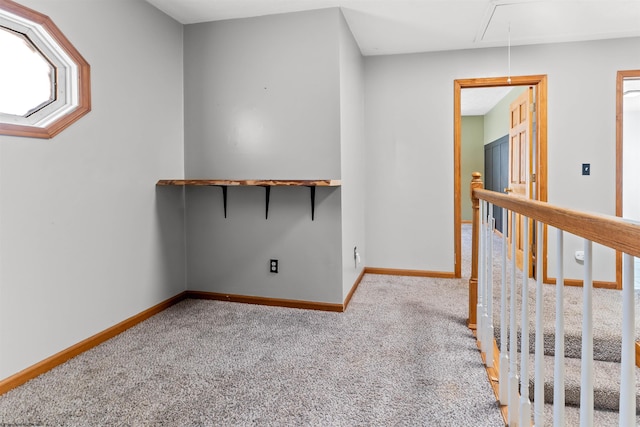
column 479, row 101
column 385, row 27
column 631, row 92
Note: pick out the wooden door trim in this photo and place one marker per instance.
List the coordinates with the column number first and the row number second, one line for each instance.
column 539, row 82
column 621, row 75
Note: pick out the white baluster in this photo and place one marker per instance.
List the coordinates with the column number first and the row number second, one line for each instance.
column 479, row 306
column 558, row 376
column 489, row 320
column 525, row 403
column 484, row 281
column 539, row 349
column 586, row 380
column 514, row 379
column 503, row 389
column 485, row 317
column 627, row 365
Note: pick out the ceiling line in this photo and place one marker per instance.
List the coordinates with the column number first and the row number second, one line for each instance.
column 486, row 20
column 491, row 10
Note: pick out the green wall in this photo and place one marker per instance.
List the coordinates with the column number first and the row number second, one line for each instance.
column 472, row 156
column 478, row 131
column 496, row 121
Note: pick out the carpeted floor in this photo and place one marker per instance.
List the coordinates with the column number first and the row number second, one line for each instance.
column 400, row 355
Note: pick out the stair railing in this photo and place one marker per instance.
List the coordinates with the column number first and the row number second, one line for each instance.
column 612, row 232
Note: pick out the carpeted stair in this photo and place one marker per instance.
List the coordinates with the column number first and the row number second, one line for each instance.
column 607, row 343
column 607, row 339
column 606, row 369
column 607, row 309
column 606, row 383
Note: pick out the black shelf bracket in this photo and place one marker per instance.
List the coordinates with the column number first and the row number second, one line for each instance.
column 267, row 189
column 224, row 198
column 266, row 202
column 312, row 190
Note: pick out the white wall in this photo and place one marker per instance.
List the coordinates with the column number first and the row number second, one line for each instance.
column 86, row 240
column 262, row 101
column 352, row 156
column 409, row 131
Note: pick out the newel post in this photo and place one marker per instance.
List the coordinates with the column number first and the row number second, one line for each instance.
column 476, row 182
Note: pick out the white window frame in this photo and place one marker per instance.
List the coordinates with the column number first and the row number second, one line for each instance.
column 71, row 78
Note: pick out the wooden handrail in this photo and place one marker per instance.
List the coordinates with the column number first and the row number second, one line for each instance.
column 610, row 231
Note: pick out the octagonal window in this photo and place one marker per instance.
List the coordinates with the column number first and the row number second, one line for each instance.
column 26, row 79
column 44, row 84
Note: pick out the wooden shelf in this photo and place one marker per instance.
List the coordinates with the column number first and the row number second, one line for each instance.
column 253, row 182
column 266, row 183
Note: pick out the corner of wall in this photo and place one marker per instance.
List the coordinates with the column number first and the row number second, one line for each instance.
column 352, row 158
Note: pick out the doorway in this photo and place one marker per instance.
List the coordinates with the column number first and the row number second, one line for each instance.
column 627, row 142
column 539, row 153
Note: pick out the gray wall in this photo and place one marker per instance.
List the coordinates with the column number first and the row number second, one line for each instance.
column 262, row 101
column 409, row 134
column 352, row 153
column 86, row 241
column 262, row 97
column 409, row 131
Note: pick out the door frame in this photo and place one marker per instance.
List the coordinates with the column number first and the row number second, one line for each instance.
column 621, row 75
column 539, row 83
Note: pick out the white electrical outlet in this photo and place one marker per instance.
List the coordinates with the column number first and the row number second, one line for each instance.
column 579, row 256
